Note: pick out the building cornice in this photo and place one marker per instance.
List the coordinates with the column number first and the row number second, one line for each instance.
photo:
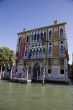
column 25, row 31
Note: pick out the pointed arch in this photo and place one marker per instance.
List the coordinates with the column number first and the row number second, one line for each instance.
column 41, row 35
column 61, row 33
column 36, row 71
column 44, row 35
column 50, row 34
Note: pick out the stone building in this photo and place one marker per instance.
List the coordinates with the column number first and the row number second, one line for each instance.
column 43, row 48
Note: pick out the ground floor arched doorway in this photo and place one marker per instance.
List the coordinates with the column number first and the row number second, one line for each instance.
column 36, row 71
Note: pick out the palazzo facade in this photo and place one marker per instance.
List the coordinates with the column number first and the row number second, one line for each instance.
column 41, row 49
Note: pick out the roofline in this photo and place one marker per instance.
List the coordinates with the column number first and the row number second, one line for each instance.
column 64, row 23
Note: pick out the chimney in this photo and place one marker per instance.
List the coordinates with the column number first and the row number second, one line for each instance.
column 55, row 22
column 24, row 30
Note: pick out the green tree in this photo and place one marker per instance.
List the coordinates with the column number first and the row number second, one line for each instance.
column 6, row 57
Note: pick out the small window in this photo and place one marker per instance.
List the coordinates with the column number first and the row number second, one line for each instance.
column 41, row 35
column 61, row 33
column 33, row 52
column 35, row 37
column 62, row 49
column 30, row 53
column 50, row 34
column 49, row 71
column 26, row 52
column 38, row 37
column 61, row 42
column 16, row 69
column 27, row 38
column 62, row 71
column 50, row 43
column 19, row 39
column 50, row 50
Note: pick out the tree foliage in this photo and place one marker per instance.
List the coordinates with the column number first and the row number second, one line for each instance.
column 6, row 57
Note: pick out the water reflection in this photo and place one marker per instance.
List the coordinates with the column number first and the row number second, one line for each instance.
column 35, row 96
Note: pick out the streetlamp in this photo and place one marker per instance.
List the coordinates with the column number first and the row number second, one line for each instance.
column 43, row 77
column 27, row 74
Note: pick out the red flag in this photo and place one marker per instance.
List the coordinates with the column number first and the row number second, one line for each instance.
column 21, row 51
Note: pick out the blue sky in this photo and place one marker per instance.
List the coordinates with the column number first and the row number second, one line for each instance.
column 18, row 14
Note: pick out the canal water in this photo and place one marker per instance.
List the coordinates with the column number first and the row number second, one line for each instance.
column 15, row 96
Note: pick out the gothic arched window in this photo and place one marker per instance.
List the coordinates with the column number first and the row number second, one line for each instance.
column 61, row 42
column 44, row 35
column 33, row 52
column 38, row 37
column 50, row 50
column 50, row 43
column 62, row 50
column 40, row 52
column 19, row 39
column 26, row 52
column 35, row 37
column 41, row 35
column 50, row 34
column 61, row 33
column 27, row 38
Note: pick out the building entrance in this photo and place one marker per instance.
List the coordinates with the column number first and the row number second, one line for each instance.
column 36, row 71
